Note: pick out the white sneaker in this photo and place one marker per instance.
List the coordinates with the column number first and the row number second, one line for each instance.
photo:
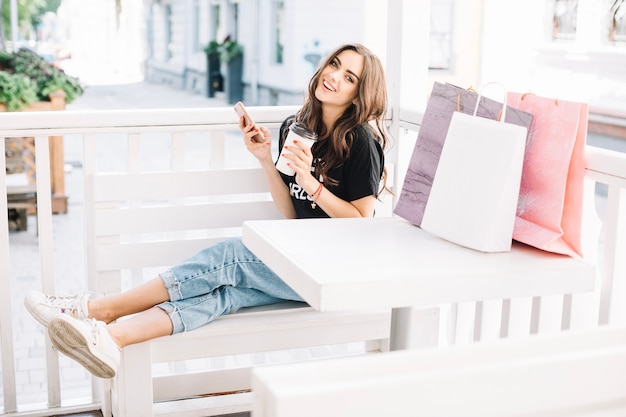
column 87, row 342
column 44, row 307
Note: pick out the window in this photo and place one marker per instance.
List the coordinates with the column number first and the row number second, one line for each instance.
column 617, row 21
column 169, row 42
column 196, row 26
column 564, row 17
column 278, row 17
column 441, row 16
column 215, row 22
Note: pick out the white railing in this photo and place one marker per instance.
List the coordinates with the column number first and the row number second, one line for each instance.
column 179, row 139
column 188, row 139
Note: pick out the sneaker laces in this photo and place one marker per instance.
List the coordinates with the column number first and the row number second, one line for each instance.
column 96, row 327
column 71, row 302
column 98, row 339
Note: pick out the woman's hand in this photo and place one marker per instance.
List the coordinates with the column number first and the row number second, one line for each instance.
column 300, row 160
column 261, row 150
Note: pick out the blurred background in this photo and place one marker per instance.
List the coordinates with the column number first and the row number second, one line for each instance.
column 267, row 49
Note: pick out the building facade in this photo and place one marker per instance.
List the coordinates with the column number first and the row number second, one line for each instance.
column 283, row 40
column 573, row 49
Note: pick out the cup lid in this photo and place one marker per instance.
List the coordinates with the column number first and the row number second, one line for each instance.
column 301, row 130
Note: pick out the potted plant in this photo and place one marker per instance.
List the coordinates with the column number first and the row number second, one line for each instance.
column 215, row 81
column 232, row 56
column 214, row 47
column 28, row 82
column 231, row 50
column 16, row 91
column 46, row 79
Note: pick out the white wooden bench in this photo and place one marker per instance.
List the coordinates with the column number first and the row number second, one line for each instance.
column 139, row 222
column 581, row 373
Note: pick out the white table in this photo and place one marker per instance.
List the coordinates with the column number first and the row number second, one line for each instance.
column 342, row 264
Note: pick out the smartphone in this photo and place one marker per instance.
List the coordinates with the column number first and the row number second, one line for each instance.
column 240, row 109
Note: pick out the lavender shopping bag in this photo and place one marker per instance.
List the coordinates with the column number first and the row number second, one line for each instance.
column 473, row 198
column 445, row 99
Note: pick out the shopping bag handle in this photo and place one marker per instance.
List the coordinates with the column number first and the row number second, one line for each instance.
column 556, row 100
column 480, row 91
column 458, row 98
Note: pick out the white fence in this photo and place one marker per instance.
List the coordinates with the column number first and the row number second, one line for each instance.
column 199, row 138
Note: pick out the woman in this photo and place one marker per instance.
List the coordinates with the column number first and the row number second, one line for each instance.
column 338, row 177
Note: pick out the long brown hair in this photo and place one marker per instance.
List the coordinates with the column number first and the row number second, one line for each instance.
column 368, row 110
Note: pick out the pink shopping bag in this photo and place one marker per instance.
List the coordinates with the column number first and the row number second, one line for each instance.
column 549, row 211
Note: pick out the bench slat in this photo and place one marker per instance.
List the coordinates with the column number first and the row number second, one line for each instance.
column 165, row 185
column 176, row 386
column 182, row 218
column 205, row 406
column 144, row 255
column 264, row 331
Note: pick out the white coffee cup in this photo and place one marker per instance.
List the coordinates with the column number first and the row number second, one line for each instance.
column 304, row 135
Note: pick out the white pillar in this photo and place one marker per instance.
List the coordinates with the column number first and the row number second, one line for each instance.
column 408, row 33
column 14, row 25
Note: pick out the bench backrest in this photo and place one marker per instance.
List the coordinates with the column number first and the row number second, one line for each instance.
column 156, row 195
column 152, row 220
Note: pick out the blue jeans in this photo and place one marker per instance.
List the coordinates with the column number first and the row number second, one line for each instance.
column 219, row 280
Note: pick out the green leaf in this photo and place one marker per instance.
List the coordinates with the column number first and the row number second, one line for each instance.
column 42, row 78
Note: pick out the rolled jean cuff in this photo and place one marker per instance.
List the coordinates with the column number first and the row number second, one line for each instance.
column 172, row 285
column 177, row 324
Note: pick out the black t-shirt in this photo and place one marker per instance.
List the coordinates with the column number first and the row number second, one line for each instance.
column 358, row 177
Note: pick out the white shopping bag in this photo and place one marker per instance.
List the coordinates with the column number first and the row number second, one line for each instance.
column 474, row 195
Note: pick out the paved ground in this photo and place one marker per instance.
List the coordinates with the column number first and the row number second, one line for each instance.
column 67, row 232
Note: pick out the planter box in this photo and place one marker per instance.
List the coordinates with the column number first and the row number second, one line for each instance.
column 57, row 160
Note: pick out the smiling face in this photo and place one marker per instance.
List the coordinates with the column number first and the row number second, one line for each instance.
column 338, row 83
